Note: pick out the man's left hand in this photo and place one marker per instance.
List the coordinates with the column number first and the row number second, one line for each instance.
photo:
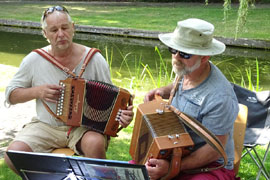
column 126, row 116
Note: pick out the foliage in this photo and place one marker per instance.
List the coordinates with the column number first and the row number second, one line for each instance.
column 226, row 8
column 244, row 78
column 242, row 16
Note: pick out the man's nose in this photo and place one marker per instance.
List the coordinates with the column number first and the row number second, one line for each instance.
column 177, row 56
column 60, row 32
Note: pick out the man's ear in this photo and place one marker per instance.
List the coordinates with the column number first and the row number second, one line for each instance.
column 205, row 59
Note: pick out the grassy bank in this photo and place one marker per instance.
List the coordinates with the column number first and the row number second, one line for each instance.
column 155, row 18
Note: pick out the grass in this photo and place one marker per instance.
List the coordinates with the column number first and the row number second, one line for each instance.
column 6, row 173
column 248, row 169
column 155, row 18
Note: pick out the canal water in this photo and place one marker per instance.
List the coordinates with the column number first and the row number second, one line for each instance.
column 140, row 65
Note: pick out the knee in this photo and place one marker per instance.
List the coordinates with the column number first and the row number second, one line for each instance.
column 19, row 146
column 16, row 146
column 93, row 145
column 93, row 139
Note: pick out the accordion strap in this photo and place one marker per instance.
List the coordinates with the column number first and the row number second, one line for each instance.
column 199, row 129
column 52, row 60
column 174, row 89
column 55, row 116
column 87, row 59
column 49, row 110
column 174, row 168
column 204, row 133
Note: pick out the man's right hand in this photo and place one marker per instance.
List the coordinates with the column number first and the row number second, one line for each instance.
column 49, row 92
column 151, row 95
column 157, row 168
column 164, row 92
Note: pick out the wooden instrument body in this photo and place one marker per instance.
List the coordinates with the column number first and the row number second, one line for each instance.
column 95, row 109
column 157, row 135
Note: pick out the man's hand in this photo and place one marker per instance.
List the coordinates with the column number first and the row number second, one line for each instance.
column 151, row 95
column 126, row 116
column 157, row 168
column 46, row 92
column 164, row 92
column 49, row 92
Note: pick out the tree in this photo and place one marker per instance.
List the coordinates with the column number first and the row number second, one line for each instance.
column 242, row 14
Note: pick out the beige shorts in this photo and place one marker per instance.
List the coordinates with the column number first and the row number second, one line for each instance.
column 42, row 137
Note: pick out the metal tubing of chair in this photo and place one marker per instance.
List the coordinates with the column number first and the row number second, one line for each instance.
column 264, row 159
column 244, row 154
column 246, row 147
column 256, row 162
column 261, row 165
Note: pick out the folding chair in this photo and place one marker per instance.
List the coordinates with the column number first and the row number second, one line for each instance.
column 258, row 125
column 66, row 151
column 239, row 135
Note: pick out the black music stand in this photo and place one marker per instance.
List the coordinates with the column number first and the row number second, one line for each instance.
column 44, row 166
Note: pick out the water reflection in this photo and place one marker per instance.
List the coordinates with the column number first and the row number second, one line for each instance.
column 235, row 63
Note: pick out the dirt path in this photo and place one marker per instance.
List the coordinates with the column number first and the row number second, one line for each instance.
column 13, row 118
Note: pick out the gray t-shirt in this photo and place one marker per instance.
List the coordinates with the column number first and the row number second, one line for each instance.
column 35, row 71
column 215, row 105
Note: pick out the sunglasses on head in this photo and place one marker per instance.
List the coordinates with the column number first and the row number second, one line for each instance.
column 52, row 9
column 182, row 54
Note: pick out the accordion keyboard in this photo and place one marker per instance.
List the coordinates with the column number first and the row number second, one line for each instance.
column 65, row 98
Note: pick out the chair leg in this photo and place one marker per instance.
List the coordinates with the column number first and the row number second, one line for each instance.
column 259, row 164
column 245, row 153
column 261, row 168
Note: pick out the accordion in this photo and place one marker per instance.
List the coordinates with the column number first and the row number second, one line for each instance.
column 92, row 104
column 158, row 135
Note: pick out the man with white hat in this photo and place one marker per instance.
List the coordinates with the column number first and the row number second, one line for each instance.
column 204, row 94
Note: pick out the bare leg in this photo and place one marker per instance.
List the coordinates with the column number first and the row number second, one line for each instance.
column 92, row 145
column 17, row 146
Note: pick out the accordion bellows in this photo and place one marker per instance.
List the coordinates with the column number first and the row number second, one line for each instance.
column 156, row 135
column 92, row 104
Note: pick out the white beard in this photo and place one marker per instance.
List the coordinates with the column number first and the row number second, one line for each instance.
column 186, row 70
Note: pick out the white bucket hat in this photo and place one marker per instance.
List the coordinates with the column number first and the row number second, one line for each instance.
column 193, row 36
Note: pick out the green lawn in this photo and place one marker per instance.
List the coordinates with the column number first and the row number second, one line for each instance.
column 155, row 18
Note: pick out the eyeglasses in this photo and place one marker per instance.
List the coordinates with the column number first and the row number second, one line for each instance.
column 52, row 9
column 182, row 54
